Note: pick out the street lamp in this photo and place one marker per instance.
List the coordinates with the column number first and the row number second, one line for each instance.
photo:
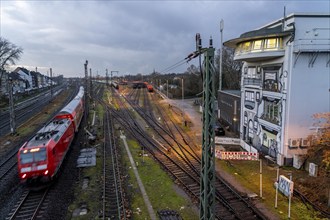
column 220, row 64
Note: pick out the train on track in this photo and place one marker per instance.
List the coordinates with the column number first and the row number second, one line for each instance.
column 114, row 84
column 150, row 88
column 40, row 158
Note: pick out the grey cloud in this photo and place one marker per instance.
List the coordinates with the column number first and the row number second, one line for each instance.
column 130, row 36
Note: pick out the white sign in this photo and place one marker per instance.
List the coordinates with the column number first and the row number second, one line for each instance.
column 239, row 155
column 224, row 140
column 285, row 185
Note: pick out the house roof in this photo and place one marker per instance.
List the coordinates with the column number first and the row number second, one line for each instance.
column 273, row 29
column 15, row 76
column 265, row 32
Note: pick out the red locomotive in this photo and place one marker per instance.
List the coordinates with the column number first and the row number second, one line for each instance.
column 150, row 88
column 41, row 157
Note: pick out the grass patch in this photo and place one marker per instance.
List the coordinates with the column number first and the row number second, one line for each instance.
column 160, row 188
column 92, row 195
column 247, row 174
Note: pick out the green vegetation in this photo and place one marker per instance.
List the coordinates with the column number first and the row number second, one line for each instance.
column 162, row 192
column 247, row 174
column 91, row 196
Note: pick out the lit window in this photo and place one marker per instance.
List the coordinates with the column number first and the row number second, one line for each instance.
column 271, row 43
column 257, row 45
column 246, row 46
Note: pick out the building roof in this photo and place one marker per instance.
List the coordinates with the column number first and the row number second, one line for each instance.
column 15, row 76
column 259, row 33
column 273, row 29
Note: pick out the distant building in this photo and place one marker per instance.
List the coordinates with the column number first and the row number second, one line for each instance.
column 24, row 81
column 18, row 84
column 25, row 75
column 285, row 80
column 229, row 105
column 35, row 82
column 3, row 81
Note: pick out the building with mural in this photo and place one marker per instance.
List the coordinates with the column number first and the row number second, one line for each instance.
column 285, row 80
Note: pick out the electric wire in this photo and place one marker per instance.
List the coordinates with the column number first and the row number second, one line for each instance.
column 174, row 65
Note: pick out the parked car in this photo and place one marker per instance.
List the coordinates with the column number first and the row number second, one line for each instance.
column 219, row 131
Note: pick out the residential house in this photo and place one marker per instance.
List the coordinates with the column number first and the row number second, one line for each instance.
column 26, row 76
column 18, row 84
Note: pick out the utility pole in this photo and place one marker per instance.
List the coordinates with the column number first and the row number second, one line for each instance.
column 221, row 52
column 207, row 189
column 12, row 116
column 51, row 82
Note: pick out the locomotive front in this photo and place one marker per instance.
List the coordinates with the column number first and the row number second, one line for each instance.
column 33, row 163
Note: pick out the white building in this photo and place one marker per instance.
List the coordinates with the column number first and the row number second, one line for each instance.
column 285, row 80
column 25, row 75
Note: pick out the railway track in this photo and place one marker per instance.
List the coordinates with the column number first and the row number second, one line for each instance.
column 9, row 161
column 182, row 161
column 113, row 197
column 25, row 110
column 30, row 206
column 184, row 169
column 114, row 203
column 7, row 165
column 9, row 182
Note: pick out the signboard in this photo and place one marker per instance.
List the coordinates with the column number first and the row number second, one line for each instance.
column 224, row 140
column 285, row 185
column 240, row 155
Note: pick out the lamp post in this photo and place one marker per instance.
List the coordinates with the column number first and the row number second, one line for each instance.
column 220, row 63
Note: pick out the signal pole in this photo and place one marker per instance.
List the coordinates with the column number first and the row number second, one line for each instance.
column 207, row 189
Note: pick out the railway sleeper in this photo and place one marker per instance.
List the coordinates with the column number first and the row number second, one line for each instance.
column 228, row 196
column 193, row 187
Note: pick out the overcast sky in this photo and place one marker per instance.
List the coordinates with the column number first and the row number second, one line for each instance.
column 130, row 36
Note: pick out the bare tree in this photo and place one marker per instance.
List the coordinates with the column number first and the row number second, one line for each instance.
column 9, row 54
column 319, row 152
column 231, row 70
